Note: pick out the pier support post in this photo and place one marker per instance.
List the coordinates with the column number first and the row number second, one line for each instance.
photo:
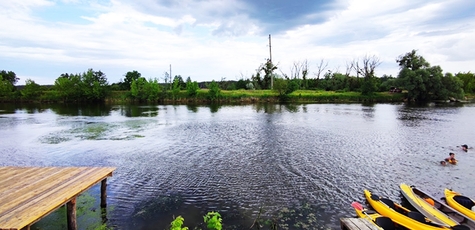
column 104, row 200
column 71, row 214
column 104, row 193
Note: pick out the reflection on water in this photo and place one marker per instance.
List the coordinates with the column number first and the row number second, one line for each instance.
column 300, row 164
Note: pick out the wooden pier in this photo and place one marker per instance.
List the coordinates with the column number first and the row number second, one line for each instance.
column 357, row 224
column 27, row 194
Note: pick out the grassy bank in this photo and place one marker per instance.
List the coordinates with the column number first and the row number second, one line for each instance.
column 253, row 96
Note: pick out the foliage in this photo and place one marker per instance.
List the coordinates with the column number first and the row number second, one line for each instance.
column 68, row 87
column 265, row 82
column 94, row 85
column 369, row 86
column 424, row 82
column 137, row 89
column 192, row 88
column 175, row 88
column 214, row 91
column 213, row 221
column 143, row 90
column 241, row 84
column 181, row 83
column 280, row 86
column 31, row 90
column 178, row 223
column 293, row 85
column 9, row 76
column 129, row 78
column 468, row 80
column 152, row 90
column 6, row 87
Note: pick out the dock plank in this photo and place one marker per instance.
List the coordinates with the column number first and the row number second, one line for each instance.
column 28, row 194
column 357, row 224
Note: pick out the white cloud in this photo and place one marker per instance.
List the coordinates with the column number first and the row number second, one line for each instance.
column 118, row 37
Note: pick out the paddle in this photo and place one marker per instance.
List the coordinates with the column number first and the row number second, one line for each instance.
column 359, row 207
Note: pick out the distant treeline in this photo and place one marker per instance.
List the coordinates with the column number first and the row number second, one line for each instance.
column 419, row 81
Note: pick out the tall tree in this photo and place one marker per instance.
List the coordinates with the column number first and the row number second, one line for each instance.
column 94, row 85
column 424, row 82
column 128, row 78
column 9, row 76
column 31, row 91
column 214, row 91
column 367, row 69
column 68, row 87
column 468, row 80
column 6, row 87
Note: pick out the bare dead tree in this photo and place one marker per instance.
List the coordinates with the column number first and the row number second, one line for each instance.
column 349, row 68
column 304, row 69
column 295, row 70
column 321, row 68
column 369, row 65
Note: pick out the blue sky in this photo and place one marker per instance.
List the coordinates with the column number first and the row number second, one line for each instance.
column 228, row 39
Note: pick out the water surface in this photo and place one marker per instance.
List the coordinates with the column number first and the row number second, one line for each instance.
column 187, row 160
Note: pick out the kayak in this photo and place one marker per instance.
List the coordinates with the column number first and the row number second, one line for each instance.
column 381, row 222
column 433, row 209
column 403, row 216
column 460, row 203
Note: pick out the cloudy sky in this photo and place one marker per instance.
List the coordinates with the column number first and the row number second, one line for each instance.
column 228, row 39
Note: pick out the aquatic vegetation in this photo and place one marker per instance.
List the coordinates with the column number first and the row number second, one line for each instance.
column 88, row 216
column 212, row 220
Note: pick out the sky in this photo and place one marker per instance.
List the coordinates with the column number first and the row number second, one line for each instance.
column 228, row 39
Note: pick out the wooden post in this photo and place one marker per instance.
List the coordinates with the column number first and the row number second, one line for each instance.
column 104, row 193
column 71, row 214
column 104, row 200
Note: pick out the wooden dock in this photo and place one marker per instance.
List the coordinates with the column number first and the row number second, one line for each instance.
column 357, row 224
column 27, row 194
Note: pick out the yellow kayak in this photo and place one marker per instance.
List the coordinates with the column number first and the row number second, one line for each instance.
column 381, row 222
column 403, row 216
column 426, row 207
column 460, row 203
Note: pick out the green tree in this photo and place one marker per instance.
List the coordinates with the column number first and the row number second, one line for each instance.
column 128, row 78
column 192, row 88
column 468, row 80
column 94, row 85
column 138, row 89
column 424, row 82
column 214, row 91
column 152, row 90
column 9, row 76
column 6, row 87
column 175, row 88
column 31, row 90
column 68, row 87
column 181, row 83
column 452, row 87
column 367, row 69
column 280, row 86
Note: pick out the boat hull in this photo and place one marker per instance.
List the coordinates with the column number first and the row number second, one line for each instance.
column 451, row 198
column 426, row 207
column 399, row 214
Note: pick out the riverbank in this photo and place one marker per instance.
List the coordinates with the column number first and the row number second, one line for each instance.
column 255, row 96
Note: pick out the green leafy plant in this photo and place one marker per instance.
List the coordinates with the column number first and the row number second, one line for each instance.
column 178, row 223
column 213, row 221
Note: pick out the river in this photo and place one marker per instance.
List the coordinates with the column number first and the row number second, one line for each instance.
column 300, row 163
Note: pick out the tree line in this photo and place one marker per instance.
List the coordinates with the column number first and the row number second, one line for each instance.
column 422, row 82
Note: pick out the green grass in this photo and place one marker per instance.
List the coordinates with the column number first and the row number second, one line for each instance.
column 252, row 96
